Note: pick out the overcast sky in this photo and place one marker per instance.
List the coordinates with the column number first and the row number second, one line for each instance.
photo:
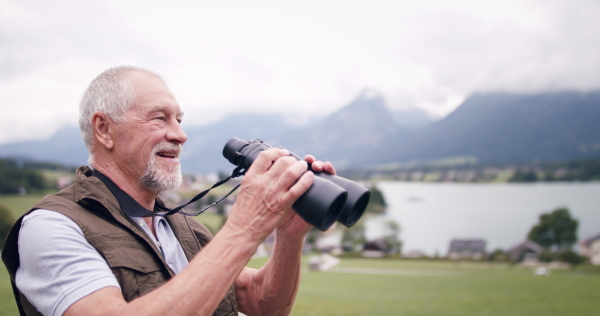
column 301, row 58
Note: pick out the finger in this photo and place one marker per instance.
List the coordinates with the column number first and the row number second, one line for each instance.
column 289, row 170
column 288, row 167
column 298, row 188
column 329, row 168
column 310, row 158
column 317, row 166
column 265, row 159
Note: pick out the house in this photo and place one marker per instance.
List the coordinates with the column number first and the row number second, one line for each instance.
column 466, row 249
column 526, row 252
column 590, row 248
column 375, row 249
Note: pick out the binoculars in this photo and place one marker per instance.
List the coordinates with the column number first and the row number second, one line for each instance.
column 330, row 197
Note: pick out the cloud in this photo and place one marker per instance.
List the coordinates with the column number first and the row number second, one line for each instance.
column 546, row 46
column 49, row 52
column 308, row 58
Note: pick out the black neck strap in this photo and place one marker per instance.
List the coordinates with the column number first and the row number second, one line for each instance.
column 161, row 210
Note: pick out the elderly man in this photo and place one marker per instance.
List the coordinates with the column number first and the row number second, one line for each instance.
column 96, row 247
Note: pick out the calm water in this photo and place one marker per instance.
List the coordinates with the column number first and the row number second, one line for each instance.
column 431, row 214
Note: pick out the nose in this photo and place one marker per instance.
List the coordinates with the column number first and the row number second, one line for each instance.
column 176, row 134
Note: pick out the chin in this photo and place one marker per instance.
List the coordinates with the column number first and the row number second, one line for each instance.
column 159, row 180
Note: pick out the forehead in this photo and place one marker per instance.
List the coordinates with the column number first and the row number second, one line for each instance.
column 152, row 94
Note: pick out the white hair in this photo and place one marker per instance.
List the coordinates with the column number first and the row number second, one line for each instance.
column 110, row 93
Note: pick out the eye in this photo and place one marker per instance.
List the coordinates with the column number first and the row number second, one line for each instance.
column 162, row 118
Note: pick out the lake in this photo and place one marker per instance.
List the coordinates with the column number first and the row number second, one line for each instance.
column 431, row 214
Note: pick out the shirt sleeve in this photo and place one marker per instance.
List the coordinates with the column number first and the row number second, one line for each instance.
column 57, row 264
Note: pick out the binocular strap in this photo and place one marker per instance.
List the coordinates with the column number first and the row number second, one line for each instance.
column 167, row 211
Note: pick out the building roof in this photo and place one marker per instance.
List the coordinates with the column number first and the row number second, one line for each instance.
column 526, row 245
column 467, row 245
column 377, row 244
column 588, row 241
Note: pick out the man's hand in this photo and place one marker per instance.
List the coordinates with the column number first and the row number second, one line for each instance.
column 269, row 189
column 293, row 225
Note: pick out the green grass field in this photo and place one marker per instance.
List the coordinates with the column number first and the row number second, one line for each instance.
column 416, row 287
column 411, row 287
column 18, row 204
column 407, row 287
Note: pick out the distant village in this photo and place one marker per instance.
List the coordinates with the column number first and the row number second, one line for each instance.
column 466, row 170
column 352, row 242
column 344, row 241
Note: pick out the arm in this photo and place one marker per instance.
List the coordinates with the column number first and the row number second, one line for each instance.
column 270, row 187
column 272, row 289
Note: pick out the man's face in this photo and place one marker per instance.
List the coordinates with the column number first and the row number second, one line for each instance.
column 151, row 139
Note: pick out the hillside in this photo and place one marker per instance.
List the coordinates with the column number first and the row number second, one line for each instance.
column 504, row 128
column 487, row 127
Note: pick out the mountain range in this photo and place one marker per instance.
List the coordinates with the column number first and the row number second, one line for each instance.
column 490, row 128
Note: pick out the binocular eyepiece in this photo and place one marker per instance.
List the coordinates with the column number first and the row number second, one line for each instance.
column 330, row 197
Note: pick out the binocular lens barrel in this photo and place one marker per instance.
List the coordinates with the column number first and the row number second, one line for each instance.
column 356, row 204
column 330, row 197
column 320, row 205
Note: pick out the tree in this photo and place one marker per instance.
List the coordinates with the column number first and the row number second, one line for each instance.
column 35, row 181
column 390, row 236
column 313, row 236
column 499, row 255
column 6, row 221
column 556, row 229
column 377, row 202
column 353, row 237
column 523, row 176
column 14, row 177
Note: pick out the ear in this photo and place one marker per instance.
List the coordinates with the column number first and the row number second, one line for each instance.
column 102, row 129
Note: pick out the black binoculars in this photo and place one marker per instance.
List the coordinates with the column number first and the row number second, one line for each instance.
column 330, row 197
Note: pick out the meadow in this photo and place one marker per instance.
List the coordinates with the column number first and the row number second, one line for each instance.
column 358, row 286
column 409, row 287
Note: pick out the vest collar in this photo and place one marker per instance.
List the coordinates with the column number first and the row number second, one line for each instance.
column 90, row 186
column 129, row 206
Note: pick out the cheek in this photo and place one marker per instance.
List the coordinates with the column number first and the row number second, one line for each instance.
column 138, row 144
column 135, row 150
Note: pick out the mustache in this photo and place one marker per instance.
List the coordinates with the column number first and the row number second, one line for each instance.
column 170, row 148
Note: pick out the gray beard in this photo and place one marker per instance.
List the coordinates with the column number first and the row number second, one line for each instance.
column 158, row 178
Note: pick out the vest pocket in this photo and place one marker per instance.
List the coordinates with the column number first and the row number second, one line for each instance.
column 136, row 267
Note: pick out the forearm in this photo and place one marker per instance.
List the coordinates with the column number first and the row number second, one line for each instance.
column 272, row 289
column 197, row 290
column 201, row 286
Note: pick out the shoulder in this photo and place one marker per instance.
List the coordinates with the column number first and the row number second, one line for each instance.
column 57, row 264
column 48, row 233
column 46, row 223
column 43, row 214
